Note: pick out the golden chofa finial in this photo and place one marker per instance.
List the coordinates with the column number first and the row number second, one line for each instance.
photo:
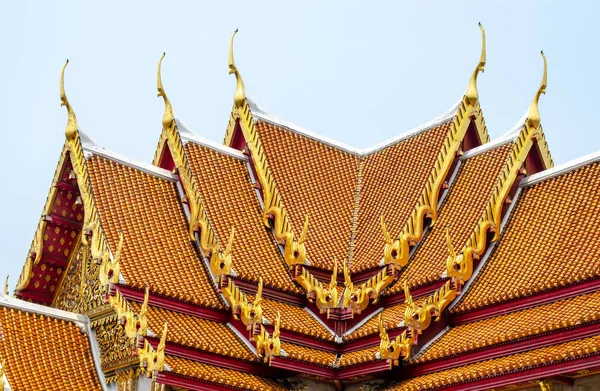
column 71, row 129
column 472, row 94
column 240, row 94
column 533, row 117
column 168, row 117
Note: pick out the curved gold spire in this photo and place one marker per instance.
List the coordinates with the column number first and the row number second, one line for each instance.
column 240, row 93
column 71, row 129
column 533, row 117
column 6, row 292
column 168, row 117
column 472, row 94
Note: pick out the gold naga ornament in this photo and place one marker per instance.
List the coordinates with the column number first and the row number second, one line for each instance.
column 220, row 261
column 397, row 250
column 274, row 215
column 418, row 318
column 268, row 347
column 358, row 298
column 135, row 326
column 460, row 266
column 392, row 350
column 153, row 361
column 250, row 313
column 325, row 298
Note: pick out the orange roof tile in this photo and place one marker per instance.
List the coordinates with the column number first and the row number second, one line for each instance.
column 359, row 356
column 302, row 353
column 156, row 249
column 498, row 366
column 222, row 376
column 197, row 333
column 230, row 200
column 392, row 181
column 462, row 208
column 294, row 318
column 314, row 179
column 535, row 252
column 532, row 321
column 38, row 351
column 392, row 316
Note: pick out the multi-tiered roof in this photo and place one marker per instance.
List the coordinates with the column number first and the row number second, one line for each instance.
column 439, row 259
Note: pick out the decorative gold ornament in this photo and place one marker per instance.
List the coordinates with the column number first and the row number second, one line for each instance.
column 110, row 270
column 71, row 129
column 26, row 275
column 240, row 95
column 6, row 292
column 294, row 251
column 418, row 318
column 250, row 313
column 168, row 117
column 357, row 299
column 533, row 116
column 546, row 385
column 325, row 298
column 151, row 360
column 268, row 347
column 472, row 96
column 393, row 350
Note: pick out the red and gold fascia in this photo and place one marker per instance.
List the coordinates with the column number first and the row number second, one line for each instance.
column 568, row 352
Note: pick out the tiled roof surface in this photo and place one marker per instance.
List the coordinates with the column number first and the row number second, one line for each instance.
column 315, row 179
column 156, row 249
column 550, row 317
column 461, row 209
column 40, row 352
column 294, row 318
column 392, row 181
column 302, row 353
column 223, row 376
column 536, row 251
column 230, row 200
column 359, row 356
column 517, row 362
column 392, row 316
column 197, row 333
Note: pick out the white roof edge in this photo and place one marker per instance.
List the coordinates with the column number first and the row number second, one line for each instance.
column 560, row 169
column 505, row 139
column 93, row 148
column 419, row 129
column 187, row 135
column 261, row 114
column 18, row 304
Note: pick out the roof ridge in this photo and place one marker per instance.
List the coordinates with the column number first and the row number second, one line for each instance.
column 91, row 147
column 259, row 113
column 26, row 306
column 561, row 169
column 187, row 135
column 355, row 210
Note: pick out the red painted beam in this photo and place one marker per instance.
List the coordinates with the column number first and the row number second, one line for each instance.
column 370, row 368
column 545, row 297
column 63, row 222
column 305, row 340
column 256, row 368
column 270, row 293
column 34, row 296
column 522, row 376
column 190, row 383
column 511, row 347
column 168, row 303
column 302, row 367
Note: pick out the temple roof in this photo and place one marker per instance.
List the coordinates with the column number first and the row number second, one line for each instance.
column 44, row 347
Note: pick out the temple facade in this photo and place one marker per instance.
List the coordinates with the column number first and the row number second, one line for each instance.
column 283, row 260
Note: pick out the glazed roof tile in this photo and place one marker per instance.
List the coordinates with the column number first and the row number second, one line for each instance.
column 393, row 178
column 521, row 324
column 221, row 376
column 294, row 318
column 156, row 250
column 230, row 200
column 392, row 316
column 359, row 356
column 39, row 350
column 534, row 253
column 313, row 179
column 514, row 363
column 302, row 353
column 198, row 333
column 461, row 210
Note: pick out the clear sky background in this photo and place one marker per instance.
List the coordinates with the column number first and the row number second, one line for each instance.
column 358, row 72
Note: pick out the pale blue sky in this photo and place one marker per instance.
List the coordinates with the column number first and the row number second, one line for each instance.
column 354, row 72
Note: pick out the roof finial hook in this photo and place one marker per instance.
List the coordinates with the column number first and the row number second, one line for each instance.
column 168, row 116
column 240, row 94
column 472, row 94
column 6, row 291
column 533, row 117
column 71, row 129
